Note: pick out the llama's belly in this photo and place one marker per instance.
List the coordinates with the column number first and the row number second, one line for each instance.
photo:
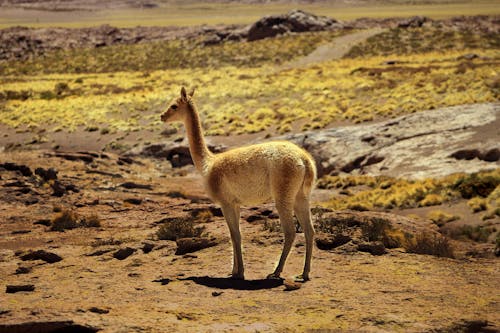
column 249, row 191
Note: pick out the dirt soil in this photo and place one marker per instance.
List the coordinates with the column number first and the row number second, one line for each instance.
column 155, row 290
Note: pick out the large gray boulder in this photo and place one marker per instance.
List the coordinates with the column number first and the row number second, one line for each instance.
column 424, row 144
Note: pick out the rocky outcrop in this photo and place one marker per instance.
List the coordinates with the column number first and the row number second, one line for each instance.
column 176, row 153
column 294, row 21
column 372, row 232
column 425, row 144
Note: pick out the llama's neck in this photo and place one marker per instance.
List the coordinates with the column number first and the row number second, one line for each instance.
column 197, row 145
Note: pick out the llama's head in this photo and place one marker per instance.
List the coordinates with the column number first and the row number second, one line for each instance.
column 179, row 107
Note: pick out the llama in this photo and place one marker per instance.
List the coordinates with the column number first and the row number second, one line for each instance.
column 252, row 175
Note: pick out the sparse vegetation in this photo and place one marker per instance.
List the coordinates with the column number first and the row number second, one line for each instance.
column 441, row 218
column 383, row 192
column 271, row 225
column 477, row 204
column 435, row 245
column 114, row 92
column 398, row 41
column 475, row 233
column 67, row 219
column 176, row 228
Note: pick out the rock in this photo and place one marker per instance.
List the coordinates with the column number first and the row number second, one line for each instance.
column 10, row 289
column 492, row 155
column 133, row 201
column 217, row 293
column 466, row 154
column 124, row 253
column 45, row 222
column 483, row 154
column 294, row 21
column 148, row 247
column 177, row 154
column 413, row 22
column 23, row 270
column 193, row 244
column 95, row 309
column 46, row 174
column 292, row 285
column 132, row 185
column 46, row 256
column 211, row 40
column 87, row 157
column 328, row 242
column 375, row 248
column 99, row 252
column 20, row 232
column 254, row 217
column 58, row 189
column 412, row 146
column 23, row 169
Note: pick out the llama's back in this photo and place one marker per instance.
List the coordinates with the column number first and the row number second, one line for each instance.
column 253, row 174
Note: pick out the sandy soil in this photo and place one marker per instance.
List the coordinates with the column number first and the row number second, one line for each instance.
column 161, row 291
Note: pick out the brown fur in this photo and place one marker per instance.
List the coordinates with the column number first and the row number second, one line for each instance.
column 254, row 174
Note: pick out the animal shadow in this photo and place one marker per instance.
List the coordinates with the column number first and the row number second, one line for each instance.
column 229, row 283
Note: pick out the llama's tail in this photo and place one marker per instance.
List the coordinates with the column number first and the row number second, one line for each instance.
column 310, row 174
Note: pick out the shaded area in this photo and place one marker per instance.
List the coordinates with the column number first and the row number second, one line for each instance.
column 48, row 326
column 229, row 283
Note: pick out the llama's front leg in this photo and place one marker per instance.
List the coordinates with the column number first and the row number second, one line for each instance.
column 286, row 218
column 232, row 216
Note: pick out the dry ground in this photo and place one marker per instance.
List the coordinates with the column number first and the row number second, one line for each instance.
column 396, row 292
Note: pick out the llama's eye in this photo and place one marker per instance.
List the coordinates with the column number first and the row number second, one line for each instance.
column 174, row 107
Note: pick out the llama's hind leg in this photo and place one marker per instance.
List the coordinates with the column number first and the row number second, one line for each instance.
column 303, row 213
column 232, row 216
column 285, row 212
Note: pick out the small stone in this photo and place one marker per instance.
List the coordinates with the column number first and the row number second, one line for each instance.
column 328, row 242
column 217, row 293
column 375, row 248
column 124, row 253
column 17, row 288
column 292, row 285
column 254, row 217
column 45, row 222
column 193, row 244
column 133, row 201
column 147, row 247
column 98, row 310
column 23, row 270
column 46, row 256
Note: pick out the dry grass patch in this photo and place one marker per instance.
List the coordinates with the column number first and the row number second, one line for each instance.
column 176, row 228
column 68, row 219
column 441, row 218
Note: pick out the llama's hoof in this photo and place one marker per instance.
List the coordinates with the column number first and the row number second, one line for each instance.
column 301, row 278
column 237, row 277
column 274, row 277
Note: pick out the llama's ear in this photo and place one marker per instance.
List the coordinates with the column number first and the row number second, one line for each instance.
column 183, row 93
column 191, row 92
